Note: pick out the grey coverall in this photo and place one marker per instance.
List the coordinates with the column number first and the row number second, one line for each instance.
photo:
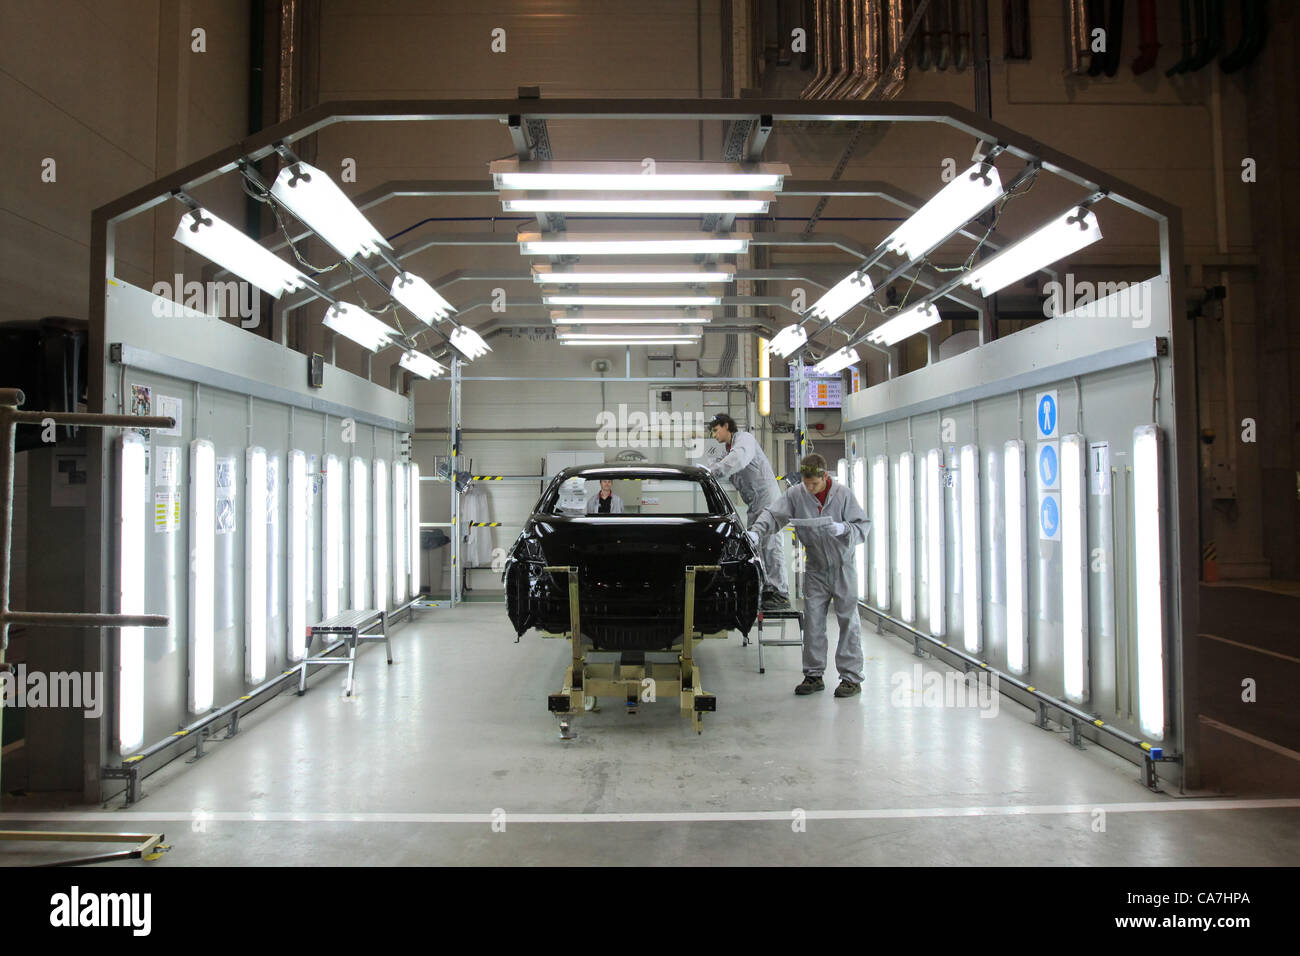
column 830, row 574
column 752, row 474
column 615, row 506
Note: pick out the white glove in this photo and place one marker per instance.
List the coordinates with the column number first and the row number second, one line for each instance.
column 753, row 538
column 838, row 528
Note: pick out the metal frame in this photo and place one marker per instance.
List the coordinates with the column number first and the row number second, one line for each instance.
column 533, row 113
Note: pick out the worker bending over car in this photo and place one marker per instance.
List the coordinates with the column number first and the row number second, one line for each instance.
column 830, row 524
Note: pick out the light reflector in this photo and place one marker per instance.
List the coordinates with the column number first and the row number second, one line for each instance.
column 842, row 296
column 619, row 205
column 637, row 177
column 789, row 340
column 401, row 524
column 222, row 243
column 413, row 536
column 315, row 199
column 420, row 298
column 353, row 322
column 420, row 364
column 836, row 362
column 468, row 342
column 764, row 370
column 632, row 300
column 1054, row 241
column 957, row 203
column 916, row 319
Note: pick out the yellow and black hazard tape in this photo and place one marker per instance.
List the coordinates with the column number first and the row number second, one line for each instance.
column 485, row 524
column 1210, row 553
column 486, row 477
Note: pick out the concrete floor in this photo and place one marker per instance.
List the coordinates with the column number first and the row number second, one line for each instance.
column 411, row 770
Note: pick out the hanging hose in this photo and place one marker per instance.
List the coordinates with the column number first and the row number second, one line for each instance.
column 957, row 16
column 943, row 31
column 1114, row 36
column 921, row 46
column 1185, row 19
column 1254, row 29
column 1148, row 37
column 1096, row 18
column 1210, row 14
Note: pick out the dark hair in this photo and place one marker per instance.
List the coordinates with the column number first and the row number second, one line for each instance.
column 812, row 466
column 722, row 418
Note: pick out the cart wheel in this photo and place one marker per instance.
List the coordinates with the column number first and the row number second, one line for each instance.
column 591, row 704
column 565, row 732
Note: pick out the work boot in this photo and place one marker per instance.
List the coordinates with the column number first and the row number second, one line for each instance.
column 847, row 689
column 775, row 601
column 810, row 685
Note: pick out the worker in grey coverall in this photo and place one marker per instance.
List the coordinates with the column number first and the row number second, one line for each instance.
column 751, row 473
column 829, row 523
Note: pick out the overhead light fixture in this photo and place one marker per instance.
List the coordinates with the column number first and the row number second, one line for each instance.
column 382, row 555
column 1074, row 568
column 353, row 322
column 842, row 296
column 401, row 524
column 255, row 566
column 764, row 372
column 413, row 536
column 633, row 300
column 903, row 538
column 952, row 207
column 564, row 319
column 916, row 319
column 666, row 176
column 627, row 336
column 468, row 342
column 860, row 550
column 1013, row 468
column 632, row 275
column 934, row 503
column 622, row 205
column 420, row 364
column 229, row 248
column 420, row 298
column 316, row 200
column 630, row 341
column 880, row 529
column 666, row 244
column 1149, row 580
column 1059, row 238
column 788, row 341
column 333, row 550
column 968, row 478
column 133, row 499
column 836, row 361
column 202, row 607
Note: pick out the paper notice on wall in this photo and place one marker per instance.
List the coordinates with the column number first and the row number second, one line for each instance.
column 141, row 404
column 1099, row 467
column 167, row 471
column 166, row 512
column 68, row 481
column 225, row 488
column 169, row 407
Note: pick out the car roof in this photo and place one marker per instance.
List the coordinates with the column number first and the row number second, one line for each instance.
column 621, row 471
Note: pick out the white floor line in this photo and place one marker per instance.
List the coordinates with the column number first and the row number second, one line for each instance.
column 706, row 816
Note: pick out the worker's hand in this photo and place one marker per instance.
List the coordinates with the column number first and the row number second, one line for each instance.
column 753, row 538
column 838, row 528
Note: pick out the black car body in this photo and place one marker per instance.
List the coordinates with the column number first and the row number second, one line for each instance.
column 632, row 566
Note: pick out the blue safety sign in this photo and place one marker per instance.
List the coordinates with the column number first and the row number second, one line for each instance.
column 1047, row 414
column 1049, row 465
column 1049, row 516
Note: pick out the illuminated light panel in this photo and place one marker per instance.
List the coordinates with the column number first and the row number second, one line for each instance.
column 353, row 322
column 468, row 342
column 616, row 205
column 934, row 532
column 666, row 244
column 1074, row 567
column 624, row 337
column 968, row 476
column 789, row 340
column 202, row 609
column 968, row 195
column 632, row 275
column 420, row 364
column 413, row 537
column 916, row 319
column 632, row 300
column 836, row 362
column 842, row 297
column 220, row 242
column 1013, row 468
column 133, row 498
column 1053, row 242
column 318, row 201
column 860, row 550
column 420, row 298
column 300, row 557
column 255, row 566
column 633, row 177
column 401, row 524
column 333, row 544
column 764, row 370
column 880, row 530
column 360, row 532
column 1148, row 569
column 382, row 556
column 903, row 537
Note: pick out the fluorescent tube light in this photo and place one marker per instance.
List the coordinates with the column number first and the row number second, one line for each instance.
column 836, row 361
column 880, row 529
column 788, row 341
column 764, row 370
column 916, row 319
column 401, row 523
column 968, row 195
column 860, row 550
column 903, row 537
column 1053, row 242
column 353, row 322
column 968, row 476
column 1074, row 567
column 413, row 536
column 841, row 472
column 934, row 529
column 300, row 562
column 133, row 500
column 316, row 200
column 333, row 550
column 667, row 176
column 202, row 607
column 667, row 244
column 632, row 275
column 1013, row 468
column 843, row 296
column 360, row 532
column 382, row 556
column 618, row 205
column 468, row 342
column 632, row 300
column 229, row 248
column 1148, row 577
column 420, row 298
column 635, row 341
column 255, row 566
column 622, row 337
column 420, row 364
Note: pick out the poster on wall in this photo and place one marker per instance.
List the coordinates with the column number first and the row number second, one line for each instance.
column 225, row 486
column 169, row 407
column 141, row 404
column 168, row 472
column 166, row 512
